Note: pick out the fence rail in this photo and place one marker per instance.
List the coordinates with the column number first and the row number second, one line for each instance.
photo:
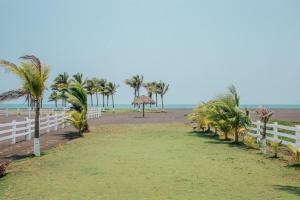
column 275, row 131
column 12, row 131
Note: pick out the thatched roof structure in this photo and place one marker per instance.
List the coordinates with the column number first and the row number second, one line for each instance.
column 13, row 94
column 143, row 100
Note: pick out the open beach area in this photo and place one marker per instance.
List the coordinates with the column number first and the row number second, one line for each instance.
column 150, row 100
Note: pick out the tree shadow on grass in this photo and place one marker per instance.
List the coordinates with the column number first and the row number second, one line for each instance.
column 290, row 189
column 214, row 139
column 70, row 135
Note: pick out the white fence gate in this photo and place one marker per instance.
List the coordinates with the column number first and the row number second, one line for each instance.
column 15, row 129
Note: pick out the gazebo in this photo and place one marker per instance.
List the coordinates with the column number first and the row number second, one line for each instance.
column 142, row 100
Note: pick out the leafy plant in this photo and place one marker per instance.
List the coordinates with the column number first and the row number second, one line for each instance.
column 251, row 142
column 295, row 151
column 78, row 120
column 275, row 147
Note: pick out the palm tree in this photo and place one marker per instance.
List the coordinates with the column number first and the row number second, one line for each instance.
column 136, row 83
column 264, row 115
column 54, row 97
column 228, row 105
column 90, row 89
column 150, row 87
column 77, row 97
column 61, row 84
column 102, row 90
column 96, row 82
column 156, row 93
column 34, row 75
column 112, row 88
column 162, row 89
column 78, row 77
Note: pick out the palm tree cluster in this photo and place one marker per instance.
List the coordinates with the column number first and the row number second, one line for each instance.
column 159, row 88
column 223, row 114
column 93, row 87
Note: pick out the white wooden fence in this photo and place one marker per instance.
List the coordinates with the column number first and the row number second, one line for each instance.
column 28, row 111
column 12, row 131
column 286, row 134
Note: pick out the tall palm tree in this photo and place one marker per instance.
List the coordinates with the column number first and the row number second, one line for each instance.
column 33, row 75
column 162, row 89
column 96, row 82
column 77, row 97
column 78, row 77
column 156, row 93
column 60, row 84
column 136, row 83
column 102, row 90
column 54, row 97
column 112, row 88
column 150, row 87
column 90, row 89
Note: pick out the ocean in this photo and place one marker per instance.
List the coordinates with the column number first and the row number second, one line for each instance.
column 171, row 106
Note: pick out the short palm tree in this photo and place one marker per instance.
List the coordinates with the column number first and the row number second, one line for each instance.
column 150, row 87
column 33, row 75
column 77, row 97
column 162, row 89
column 228, row 106
column 264, row 115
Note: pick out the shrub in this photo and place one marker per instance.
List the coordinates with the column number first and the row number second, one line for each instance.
column 3, row 167
column 275, row 147
column 295, row 151
column 251, row 142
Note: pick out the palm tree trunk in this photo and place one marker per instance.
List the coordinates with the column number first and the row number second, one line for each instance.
column 226, row 136
column 107, row 98
column 156, row 99
column 162, row 102
column 36, row 148
column 103, row 103
column 236, row 135
column 91, row 99
column 56, row 103
column 143, row 110
column 97, row 99
column 113, row 101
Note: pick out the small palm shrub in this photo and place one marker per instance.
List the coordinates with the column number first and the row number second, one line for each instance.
column 251, row 142
column 275, row 147
column 295, row 151
column 78, row 120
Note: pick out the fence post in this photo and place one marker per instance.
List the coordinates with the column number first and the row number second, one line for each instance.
column 48, row 123
column 258, row 131
column 28, row 128
column 275, row 131
column 56, row 122
column 13, row 132
column 297, row 136
column 29, row 112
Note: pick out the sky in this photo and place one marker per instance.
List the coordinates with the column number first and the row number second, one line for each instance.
column 198, row 47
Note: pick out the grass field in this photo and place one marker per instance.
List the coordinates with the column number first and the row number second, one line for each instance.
column 149, row 161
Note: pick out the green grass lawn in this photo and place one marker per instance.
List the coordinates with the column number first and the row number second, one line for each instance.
column 149, row 161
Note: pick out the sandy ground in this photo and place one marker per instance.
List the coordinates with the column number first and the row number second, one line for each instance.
column 24, row 148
